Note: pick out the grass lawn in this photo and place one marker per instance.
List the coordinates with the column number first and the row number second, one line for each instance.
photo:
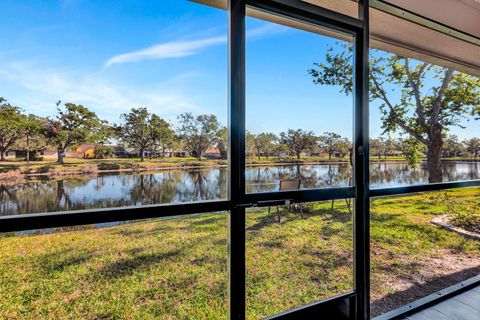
column 177, row 268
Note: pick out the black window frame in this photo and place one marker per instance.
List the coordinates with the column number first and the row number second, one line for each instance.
column 351, row 305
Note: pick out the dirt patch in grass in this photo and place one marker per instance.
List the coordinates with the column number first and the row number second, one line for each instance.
column 465, row 225
column 468, row 222
column 412, row 258
column 426, row 276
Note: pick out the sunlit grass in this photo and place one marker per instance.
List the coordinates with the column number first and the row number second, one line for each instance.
column 177, row 268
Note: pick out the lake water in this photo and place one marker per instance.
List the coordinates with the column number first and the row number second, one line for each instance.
column 174, row 186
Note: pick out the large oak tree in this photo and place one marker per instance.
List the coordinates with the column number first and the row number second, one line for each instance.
column 264, row 143
column 472, row 146
column 331, row 142
column 144, row 130
column 198, row 132
column 11, row 126
column 73, row 125
column 298, row 141
column 416, row 98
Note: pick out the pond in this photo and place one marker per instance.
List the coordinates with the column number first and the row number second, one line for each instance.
column 175, row 186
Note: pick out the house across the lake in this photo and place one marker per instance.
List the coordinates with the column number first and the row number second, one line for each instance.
column 45, row 153
column 81, row 151
column 212, row 153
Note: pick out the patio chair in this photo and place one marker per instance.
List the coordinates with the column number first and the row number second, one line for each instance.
column 288, row 185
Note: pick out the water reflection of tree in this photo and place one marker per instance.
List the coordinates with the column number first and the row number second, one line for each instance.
column 383, row 174
column 7, row 194
column 396, row 173
column 264, row 179
column 197, row 185
column 203, row 185
column 336, row 175
column 460, row 171
column 152, row 189
column 63, row 198
column 36, row 197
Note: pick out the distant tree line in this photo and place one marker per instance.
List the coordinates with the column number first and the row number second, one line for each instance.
column 413, row 152
column 295, row 142
column 74, row 125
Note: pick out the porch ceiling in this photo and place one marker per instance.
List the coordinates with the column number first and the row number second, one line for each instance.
column 398, row 34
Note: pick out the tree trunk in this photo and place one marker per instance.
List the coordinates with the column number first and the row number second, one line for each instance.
column 329, row 156
column 298, row 155
column 60, row 155
column 28, row 149
column 2, row 155
column 142, row 155
column 434, row 161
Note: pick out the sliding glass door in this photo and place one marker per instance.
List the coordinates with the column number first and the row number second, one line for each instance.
column 298, row 180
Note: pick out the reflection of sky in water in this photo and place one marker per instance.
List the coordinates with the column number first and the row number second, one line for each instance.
column 100, row 188
column 178, row 186
column 398, row 174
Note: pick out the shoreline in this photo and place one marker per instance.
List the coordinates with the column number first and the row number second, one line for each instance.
column 53, row 170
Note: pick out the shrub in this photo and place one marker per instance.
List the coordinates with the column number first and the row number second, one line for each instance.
column 89, row 154
column 108, row 166
column 102, row 152
column 34, row 156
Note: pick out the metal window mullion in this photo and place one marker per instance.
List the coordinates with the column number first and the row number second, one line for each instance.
column 361, row 169
column 307, row 12
column 236, row 113
column 307, row 195
column 393, row 191
column 83, row 217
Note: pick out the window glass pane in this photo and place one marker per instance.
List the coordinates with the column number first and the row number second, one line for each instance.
column 130, row 96
column 424, row 115
column 404, row 146
column 297, row 255
column 415, row 250
column 299, row 116
column 160, row 268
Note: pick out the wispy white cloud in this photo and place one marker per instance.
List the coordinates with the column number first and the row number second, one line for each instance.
column 174, row 49
column 183, row 48
column 42, row 87
column 37, row 85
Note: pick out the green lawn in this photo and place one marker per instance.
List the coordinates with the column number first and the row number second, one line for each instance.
column 177, row 268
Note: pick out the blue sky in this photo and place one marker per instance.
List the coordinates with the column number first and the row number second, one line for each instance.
column 169, row 56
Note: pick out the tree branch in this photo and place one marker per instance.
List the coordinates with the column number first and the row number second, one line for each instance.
column 397, row 118
column 437, row 103
column 416, row 91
